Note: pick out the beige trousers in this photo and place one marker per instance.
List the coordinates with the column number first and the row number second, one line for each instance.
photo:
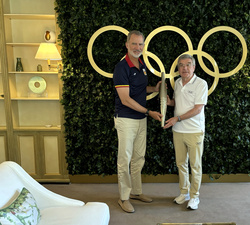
column 131, row 151
column 189, row 147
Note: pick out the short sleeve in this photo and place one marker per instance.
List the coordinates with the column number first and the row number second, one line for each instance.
column 121, row 76
column 201, row 93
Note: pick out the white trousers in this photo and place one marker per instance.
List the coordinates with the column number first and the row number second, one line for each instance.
column 131, row 154
column 189, row 147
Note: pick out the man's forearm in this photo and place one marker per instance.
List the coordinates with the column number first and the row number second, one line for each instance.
column 131, row 103
column 151, row 89
column 191, row 113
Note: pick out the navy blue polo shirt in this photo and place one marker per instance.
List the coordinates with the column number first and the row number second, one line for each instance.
column 126, row 75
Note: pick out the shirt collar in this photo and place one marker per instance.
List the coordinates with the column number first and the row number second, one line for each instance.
column 129, row 61
column 191, row 81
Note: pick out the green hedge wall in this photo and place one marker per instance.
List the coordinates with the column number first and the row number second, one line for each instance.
column 88, row 97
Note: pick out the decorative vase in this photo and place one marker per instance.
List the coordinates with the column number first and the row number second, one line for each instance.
column 39, row 68
column 19, row 66
column 50, row 36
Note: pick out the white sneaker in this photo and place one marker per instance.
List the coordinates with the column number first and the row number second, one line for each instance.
column 182, row 198
column 193, row 203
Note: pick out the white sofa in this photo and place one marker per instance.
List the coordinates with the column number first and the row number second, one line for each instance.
column 54, row 208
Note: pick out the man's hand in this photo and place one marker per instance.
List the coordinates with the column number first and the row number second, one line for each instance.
column 170, row 122
column 155, row 115
column 170, row 102
column 157, row 87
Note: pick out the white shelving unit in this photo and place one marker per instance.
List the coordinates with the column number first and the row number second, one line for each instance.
column 31, row 129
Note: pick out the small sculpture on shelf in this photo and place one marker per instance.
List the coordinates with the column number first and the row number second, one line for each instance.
column 37, row 87
column 50, row 36
column 19, row 66
column 39, row 68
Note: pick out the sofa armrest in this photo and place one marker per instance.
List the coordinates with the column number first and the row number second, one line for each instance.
column 92, row 213
column 14, row 178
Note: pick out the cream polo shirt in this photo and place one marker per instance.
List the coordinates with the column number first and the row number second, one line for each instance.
column 186, row 97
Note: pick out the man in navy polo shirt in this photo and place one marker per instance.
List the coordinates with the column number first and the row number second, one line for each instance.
column 130, row 80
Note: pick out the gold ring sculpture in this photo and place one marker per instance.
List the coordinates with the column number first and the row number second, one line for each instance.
column 171, row 75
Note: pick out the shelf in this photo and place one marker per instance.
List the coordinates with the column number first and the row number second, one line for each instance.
column 36, row 99
column 23, row 44
column 53, row 128
column 29, row 16
column 30, row 124
column 33, row 72
column 3, row 129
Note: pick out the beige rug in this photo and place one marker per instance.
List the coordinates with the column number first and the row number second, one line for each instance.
column 196, row 224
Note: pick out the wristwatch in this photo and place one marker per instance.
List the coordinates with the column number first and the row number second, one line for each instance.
column 147, row 113
column 179, row 119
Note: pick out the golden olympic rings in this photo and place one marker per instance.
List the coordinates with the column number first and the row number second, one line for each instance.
column 90, row 46
column 190, row 51
column 244, row 54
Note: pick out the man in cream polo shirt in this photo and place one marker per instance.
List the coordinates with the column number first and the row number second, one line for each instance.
column 189, row 100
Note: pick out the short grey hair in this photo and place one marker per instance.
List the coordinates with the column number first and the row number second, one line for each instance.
column 136, row 32
column 186, row 56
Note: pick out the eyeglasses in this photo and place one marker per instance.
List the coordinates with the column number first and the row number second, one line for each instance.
column 183, row 65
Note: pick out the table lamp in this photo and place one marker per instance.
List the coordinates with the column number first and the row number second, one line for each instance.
column 48, row 51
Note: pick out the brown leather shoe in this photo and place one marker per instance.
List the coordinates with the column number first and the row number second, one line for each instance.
column 141, row 197
column 126, row 206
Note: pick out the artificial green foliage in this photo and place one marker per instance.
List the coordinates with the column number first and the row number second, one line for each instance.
column 88, row 97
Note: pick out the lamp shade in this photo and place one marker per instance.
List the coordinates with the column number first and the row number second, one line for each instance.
column 48, row 51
